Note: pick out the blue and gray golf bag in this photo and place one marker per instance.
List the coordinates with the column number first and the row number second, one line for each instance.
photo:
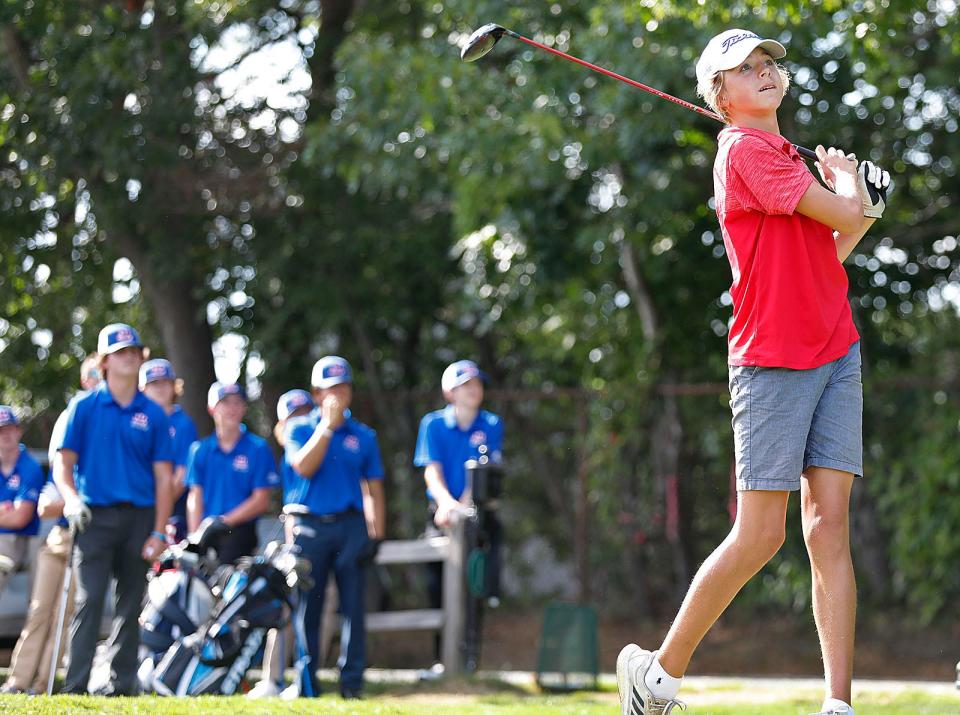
column 257, row 595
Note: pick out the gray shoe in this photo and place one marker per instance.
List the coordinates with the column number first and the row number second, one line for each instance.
column 635, row 698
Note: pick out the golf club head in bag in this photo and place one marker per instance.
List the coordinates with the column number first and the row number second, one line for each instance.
column 257, row 596
column 178, row 602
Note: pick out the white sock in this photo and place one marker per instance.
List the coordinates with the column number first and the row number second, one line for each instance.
column 659, row 682
column 834, row 703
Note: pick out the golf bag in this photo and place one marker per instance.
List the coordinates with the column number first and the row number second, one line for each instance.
column 484, row 536
column 179, row 596
column 256, row 596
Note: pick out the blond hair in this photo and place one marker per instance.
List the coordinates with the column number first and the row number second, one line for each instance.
column 709, row 90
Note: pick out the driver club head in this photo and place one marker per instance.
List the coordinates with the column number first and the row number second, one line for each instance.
column 481, row 42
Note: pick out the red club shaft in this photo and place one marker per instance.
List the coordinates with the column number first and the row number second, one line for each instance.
column 614, row 75
column 803, row 151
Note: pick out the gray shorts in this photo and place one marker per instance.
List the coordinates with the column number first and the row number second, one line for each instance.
column 785, row 421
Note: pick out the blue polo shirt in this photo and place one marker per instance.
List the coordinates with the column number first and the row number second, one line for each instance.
column 441, row 440
column 229, row 478
column 117, row 447
column 183, row 432
column 352, row 456
column 22, row 484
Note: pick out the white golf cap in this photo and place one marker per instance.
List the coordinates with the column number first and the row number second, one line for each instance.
column 460, row 372
column 730, row 48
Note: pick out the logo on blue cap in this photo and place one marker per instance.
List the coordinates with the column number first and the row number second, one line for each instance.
column 117, row 336
column 153, row 370
column 219, row 390
column 291, row 401
column 329, row 371
column 460, row 372
column 8, row 416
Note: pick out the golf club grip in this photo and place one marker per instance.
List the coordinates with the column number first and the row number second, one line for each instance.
column 803, row 151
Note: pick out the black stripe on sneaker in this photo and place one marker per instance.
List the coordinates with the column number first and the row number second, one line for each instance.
column 636, row 703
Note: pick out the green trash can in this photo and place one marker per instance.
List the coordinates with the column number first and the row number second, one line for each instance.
column 569, row 656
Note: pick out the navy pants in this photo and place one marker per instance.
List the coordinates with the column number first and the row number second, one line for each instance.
column 334, row 545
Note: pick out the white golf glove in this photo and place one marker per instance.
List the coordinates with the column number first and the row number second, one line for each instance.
column 873, row 183
column 77, row 514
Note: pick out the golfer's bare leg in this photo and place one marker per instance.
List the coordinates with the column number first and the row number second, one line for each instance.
column 755, row 537
column 825, row 500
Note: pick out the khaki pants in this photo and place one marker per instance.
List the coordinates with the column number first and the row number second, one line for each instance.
column 13, row 549
column 30, row 666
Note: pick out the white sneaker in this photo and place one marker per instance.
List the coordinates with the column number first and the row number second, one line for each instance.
column 434, row 672
column 842, row 710
column 264, row 689
column 635, row 698
column 291, row 692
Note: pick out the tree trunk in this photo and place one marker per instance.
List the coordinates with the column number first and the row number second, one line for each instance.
column 668, row 430
column 183, row 328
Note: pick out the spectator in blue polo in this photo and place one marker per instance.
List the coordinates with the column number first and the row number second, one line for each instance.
column 21, row 480
column 114, row 472
column 447, row 439
column 453, row 435
column 230, row 474
column 336, row 461
column 291, row 405
column 160, row 383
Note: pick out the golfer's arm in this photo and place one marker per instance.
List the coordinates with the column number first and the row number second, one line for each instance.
column 194, row 507
column 163, row 491
column 841, row 211
column 250, row 508
column 377, row 517
column 63, row 468
column 19, row 516
column 310, row 456
column 433, row 476
column 48, row 508
column 846, row 242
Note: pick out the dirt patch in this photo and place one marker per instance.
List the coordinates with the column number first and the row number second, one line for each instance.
column 771, row 647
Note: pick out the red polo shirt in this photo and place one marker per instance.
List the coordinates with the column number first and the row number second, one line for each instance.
column 790, row 306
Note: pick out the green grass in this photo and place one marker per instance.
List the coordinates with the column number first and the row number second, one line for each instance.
column 410, row 700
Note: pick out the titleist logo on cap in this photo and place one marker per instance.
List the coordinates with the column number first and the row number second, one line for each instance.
column 731, row 41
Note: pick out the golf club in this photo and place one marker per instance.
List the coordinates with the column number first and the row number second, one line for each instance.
column 484, row 39
column 64, row 595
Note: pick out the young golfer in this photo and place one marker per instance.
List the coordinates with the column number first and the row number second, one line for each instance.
column 160, row 383
column 21, row 480
column 33, row 654
column 794, row 355
column 114, row 472
column 230, row 474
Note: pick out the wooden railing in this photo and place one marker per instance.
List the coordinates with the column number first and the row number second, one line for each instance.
column 449, row 620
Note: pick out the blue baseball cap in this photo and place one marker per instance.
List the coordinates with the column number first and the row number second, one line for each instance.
column 329, row 371
column 153, row 370
column 8, row 416
column 460, row 372
column 291, row 401
column 219, row 390
column 117, row 336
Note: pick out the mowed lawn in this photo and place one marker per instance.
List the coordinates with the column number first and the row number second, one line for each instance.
column 728, row 697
